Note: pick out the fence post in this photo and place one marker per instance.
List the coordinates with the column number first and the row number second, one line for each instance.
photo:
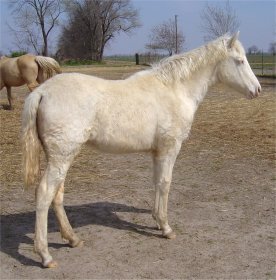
column 262, row 62
column 137, row 58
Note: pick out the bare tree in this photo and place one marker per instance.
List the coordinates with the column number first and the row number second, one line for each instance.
column 272, row 48
column 253, row 50
column 93, row 24
column 166, row 36
column 33, row 22
column 216, row 21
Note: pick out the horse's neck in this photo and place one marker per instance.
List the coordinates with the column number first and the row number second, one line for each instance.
column 196, row 87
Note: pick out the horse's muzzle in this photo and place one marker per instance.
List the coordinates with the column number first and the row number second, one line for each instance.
column 256, row 93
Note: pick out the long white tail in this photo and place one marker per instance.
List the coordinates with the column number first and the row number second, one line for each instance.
column 48, row 66
column 30, row 140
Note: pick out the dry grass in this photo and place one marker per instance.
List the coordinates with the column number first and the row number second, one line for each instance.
column 246, row 127
column 221, row 202
column 225, row 123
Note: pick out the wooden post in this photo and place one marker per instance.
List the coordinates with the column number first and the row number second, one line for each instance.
column 137, row 58
column 262, row 62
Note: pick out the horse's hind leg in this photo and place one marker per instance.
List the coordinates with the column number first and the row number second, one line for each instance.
column 10, row 98
column 65, row 227
column 45, row 193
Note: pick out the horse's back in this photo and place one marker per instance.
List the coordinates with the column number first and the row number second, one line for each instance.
column 108, row 114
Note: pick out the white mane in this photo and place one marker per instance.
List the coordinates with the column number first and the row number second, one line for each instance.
column 181, row 66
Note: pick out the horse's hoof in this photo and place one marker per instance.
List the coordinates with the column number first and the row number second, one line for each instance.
column 170, row 235
column 78, row 243
column 51, row 264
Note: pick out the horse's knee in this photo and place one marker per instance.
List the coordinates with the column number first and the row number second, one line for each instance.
column 164, row 185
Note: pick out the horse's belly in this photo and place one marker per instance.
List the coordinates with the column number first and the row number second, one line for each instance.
column 123, row 141
column 122, row 146
column 15, row 81
column 129, row 128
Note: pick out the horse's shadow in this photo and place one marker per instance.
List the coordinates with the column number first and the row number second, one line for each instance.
column 5, row 107
column 15, row 227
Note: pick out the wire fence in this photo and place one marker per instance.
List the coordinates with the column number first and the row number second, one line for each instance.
column 261, row 63
column 148, row 58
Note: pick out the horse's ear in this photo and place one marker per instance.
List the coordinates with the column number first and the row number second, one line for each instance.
column 233, row 39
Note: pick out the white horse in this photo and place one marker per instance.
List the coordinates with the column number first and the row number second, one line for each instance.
column 150, row 111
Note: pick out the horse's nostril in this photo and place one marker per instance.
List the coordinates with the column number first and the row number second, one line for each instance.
column 259, row 89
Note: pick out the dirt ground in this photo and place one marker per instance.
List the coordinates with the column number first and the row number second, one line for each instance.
column 221, row 204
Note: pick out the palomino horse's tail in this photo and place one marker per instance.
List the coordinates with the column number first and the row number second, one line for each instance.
column 48, row 66
column 30, row 139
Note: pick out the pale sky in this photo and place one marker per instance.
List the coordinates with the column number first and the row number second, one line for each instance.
column 257, row 23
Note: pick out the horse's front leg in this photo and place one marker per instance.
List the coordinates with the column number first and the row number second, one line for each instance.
column 163, row 167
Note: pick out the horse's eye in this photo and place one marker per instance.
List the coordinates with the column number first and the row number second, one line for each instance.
column 241, row 61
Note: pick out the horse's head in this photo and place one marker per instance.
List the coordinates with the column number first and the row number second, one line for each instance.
column 235, row 70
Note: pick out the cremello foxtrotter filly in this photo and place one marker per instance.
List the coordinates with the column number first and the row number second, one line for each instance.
column 150, row 111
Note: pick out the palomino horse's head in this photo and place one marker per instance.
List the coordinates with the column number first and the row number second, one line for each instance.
column 235, row 70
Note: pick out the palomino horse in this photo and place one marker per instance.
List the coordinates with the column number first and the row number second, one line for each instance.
column 151, row 111
column 26, row 69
